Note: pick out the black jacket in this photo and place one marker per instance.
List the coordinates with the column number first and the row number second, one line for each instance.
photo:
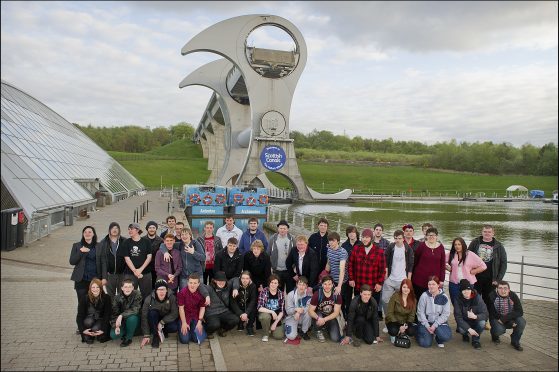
column 113, row 265
column 474, row 303
column 168, row 310
column 246, row 300
column 101, row 310
column 77, row 258
column 232, row 266
column 126, row 306
column 516, row 312
column 310, row 265
column 389, row 254
column 155, row 244
column 357, row 308
column 260, row 268
column 319, row 245
column 499, row 265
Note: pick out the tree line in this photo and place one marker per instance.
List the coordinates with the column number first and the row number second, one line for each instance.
column 485, row 157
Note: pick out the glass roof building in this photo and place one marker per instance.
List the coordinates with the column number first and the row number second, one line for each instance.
column 48, row 163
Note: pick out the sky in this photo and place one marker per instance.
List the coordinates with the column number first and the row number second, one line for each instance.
column 422, row 71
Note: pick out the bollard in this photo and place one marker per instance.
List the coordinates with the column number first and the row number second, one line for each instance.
column 168, row 207
column 134, row 218
column 339, row 225
column 303, row 221
column 312, row 223
column 147, row 205
column 293, row 218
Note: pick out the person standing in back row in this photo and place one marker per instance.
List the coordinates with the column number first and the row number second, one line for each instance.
column 229, row 230
column 137, row 255
column 492, row 252
column 110, row 247
column 281, row 243
column 318, row 242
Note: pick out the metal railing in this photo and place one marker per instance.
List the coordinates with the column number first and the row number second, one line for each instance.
column 529, row 278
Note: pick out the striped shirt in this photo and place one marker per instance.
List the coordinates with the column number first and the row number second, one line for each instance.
column 334, row 258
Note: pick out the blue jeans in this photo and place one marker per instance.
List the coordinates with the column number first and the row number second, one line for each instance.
column 153, row 319
column 476, row 325
column 425, row 339
column 498, row 328
column 192, row 334
column 454, row 291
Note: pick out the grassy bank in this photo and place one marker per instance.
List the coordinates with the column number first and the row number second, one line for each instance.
column 181, row 162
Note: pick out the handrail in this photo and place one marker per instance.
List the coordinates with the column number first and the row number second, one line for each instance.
column 299, row 218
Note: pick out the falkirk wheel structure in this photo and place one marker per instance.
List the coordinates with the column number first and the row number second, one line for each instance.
column 244, row 131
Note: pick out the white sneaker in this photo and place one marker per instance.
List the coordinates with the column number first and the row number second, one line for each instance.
column 440, row 345
column 385, row 330
column 392, row 339
column 320, row 336
column 264, row 338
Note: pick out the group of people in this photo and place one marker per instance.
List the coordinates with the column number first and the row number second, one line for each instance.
column 290, row 287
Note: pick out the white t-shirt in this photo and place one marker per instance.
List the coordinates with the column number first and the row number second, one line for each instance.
column 398, row 271
column 459, row 273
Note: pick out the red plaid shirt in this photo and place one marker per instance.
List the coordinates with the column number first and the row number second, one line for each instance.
column 366, row 268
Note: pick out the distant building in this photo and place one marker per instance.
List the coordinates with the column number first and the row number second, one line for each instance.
column 49, row 164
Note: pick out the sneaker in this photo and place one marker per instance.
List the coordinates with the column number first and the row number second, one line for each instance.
column 487, row 326
column 241, row 327
column 306, row 336
column 517, row 346
column 385, row 330
column 320, row 336
column 356, row 342
column 496, row 340
column 264, row 338
column 476, row 345
column 125, row 343
column 89, row 341
column 380, row 318
column 392, row 339
column 210, row 336
column 221, row 332
column 250, row 331
column 440, row 345
column 295, row 341
column 155, row 342
column 465, row 337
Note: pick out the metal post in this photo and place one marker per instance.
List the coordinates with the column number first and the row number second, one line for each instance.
column 303, row 221
column 339, row 225
column 312, row 223
column 293, row 218
column 147, row 205
column 521, row 278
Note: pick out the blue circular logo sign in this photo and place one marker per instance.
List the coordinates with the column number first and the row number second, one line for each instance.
column 273, row 158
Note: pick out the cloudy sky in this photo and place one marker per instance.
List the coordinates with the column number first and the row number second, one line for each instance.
column 426, row 71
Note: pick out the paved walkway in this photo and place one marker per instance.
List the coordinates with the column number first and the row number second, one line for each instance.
column 38, row 308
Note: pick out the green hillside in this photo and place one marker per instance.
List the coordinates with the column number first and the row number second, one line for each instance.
column 181, row 162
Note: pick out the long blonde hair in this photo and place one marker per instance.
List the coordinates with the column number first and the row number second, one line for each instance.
column 90, row 295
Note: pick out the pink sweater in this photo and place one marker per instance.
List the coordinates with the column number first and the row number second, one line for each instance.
column 471, row 262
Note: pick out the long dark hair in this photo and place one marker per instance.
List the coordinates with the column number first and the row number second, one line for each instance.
column 453, row 251
column 93, row 240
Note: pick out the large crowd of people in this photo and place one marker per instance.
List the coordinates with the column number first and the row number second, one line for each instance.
column 291, row 288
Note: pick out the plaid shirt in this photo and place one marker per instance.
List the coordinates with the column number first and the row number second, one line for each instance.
column 263, row 299
column 367, row 268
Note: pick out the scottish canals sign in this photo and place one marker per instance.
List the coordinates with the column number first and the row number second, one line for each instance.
column 273, row 158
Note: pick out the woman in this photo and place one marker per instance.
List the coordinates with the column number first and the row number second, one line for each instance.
column 429, row 260
column 271, row 309
column 433, row 311
column 94, row 314
column 462, row 264
column 400, row 312
column 192, row 254
column 258, row 263
column 87, row 261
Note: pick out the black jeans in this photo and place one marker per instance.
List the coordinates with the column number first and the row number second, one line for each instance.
column 394, row 328
column 94, row 325
column 226, row 320
column 251, row 318
column 364, row 329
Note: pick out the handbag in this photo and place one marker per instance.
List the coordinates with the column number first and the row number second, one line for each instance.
column 402, row 341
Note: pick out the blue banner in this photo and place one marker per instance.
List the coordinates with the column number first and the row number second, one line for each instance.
column 273, row 158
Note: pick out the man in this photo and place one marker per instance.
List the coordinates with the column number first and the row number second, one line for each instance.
column 171, row 270
column 492, row 252
column 179, row 227
column 126, row 308
column 250, row 235
column 352, row 239
column 218, row 316
column 378, row 239
column 171, row 222
column 229, row 230
column 505, row 312
column 159, row 315
column 244, row 304
column 212, row 246
column 297, row 311
column 399, row 265
column 137, row 255
column 192, row 307
column 301, row 262
column 337, row 267
column 367, row 265
column 362, row 320
column 155, row 241
column 229, row 260
column 324, row 309
column 318, row 242
column 281, row 243
column 408, row 237
column 470, row 314
column 110, row 247
column 424, row 228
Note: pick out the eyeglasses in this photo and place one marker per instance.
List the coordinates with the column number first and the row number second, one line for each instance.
column 431, row 236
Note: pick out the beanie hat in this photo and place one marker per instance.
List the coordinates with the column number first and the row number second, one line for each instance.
column 151, row 223
column 284, row 223
column 367, row 232
column 161, row 283
column 407, row 226
column 113, row 224
column 465, row 284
